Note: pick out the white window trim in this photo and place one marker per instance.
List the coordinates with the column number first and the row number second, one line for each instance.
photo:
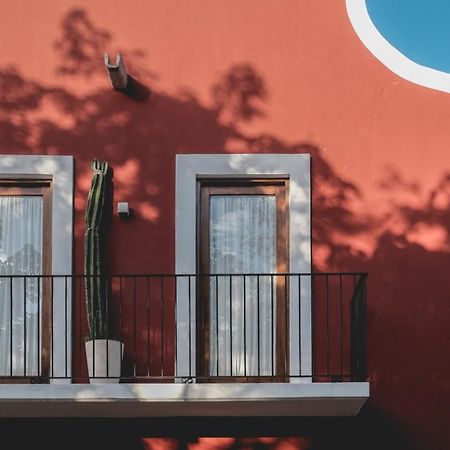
column 61, row 170
column 294, row 166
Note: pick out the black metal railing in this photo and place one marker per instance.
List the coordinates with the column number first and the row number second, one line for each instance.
column 185, row 328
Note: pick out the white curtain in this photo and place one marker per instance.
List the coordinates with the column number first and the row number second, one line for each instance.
column 20, row 304
column 242, row 309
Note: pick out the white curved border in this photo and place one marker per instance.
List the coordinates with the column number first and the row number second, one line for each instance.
column 389, row 55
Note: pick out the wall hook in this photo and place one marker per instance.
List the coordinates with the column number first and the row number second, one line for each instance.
column 117, row 72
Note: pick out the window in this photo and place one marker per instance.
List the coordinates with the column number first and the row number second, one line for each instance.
column 36, row 213
column 25, row 250
column 242, row 230
column 242, row 184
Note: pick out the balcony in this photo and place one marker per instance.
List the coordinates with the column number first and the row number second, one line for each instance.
column 254, row 344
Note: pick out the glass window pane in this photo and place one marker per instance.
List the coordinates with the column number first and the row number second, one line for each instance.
column 242, row 234
column 20, row 254
column 242, row 309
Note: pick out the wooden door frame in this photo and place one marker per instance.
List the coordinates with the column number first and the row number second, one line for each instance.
column 207, row 186
column 39, row 186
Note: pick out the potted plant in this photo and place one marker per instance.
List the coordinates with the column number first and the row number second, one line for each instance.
column 103, row 349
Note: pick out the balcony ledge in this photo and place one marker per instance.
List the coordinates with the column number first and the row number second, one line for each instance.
column 169, row 400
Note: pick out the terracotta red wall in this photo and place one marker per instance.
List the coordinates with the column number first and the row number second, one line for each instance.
column 381, row 170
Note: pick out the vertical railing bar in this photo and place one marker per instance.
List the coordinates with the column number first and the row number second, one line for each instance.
column 38, row 326
column 53, row 325
column 287, row 327
column 81, row 281
column 12, row 326
column 231, row 325
column 176, row 321
column 162, row 327
column 258, row 328
column 365, row 326
column 272, row 319
column 120, row 313
column 217, row 324
column 105, row 280
column 148, row 326
column 135, row 325
column 299, row 325
column 190, row 325
column 352, row 332
column 354, row 289
column 24, row 326
column 327, row 337
column 342, row 328
column 313, row 324
column 66, row 352
column 245, row 329
column 94, row 280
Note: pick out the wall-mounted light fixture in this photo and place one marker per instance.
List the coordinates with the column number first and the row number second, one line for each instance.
column 117, row 72
column 123, row 210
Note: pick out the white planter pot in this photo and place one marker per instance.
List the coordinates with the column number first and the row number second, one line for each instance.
column 104, row 359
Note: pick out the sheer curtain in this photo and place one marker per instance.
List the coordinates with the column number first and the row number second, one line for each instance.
column 20, row 254
column 242, row 309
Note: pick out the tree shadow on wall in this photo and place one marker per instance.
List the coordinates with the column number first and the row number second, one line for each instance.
column 140, row 140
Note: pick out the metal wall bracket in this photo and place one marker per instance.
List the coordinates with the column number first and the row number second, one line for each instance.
column 117, row 72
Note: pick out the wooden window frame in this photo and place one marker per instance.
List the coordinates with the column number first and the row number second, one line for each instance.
column 278, row 187
column 37, row 186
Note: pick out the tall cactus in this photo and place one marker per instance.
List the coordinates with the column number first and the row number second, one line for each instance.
column 93, row 254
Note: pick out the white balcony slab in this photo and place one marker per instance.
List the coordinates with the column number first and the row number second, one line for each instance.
column 171, row 400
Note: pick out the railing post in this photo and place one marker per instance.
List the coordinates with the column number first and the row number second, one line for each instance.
column 358, row 337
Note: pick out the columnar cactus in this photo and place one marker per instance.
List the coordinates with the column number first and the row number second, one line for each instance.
column 95, row 283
